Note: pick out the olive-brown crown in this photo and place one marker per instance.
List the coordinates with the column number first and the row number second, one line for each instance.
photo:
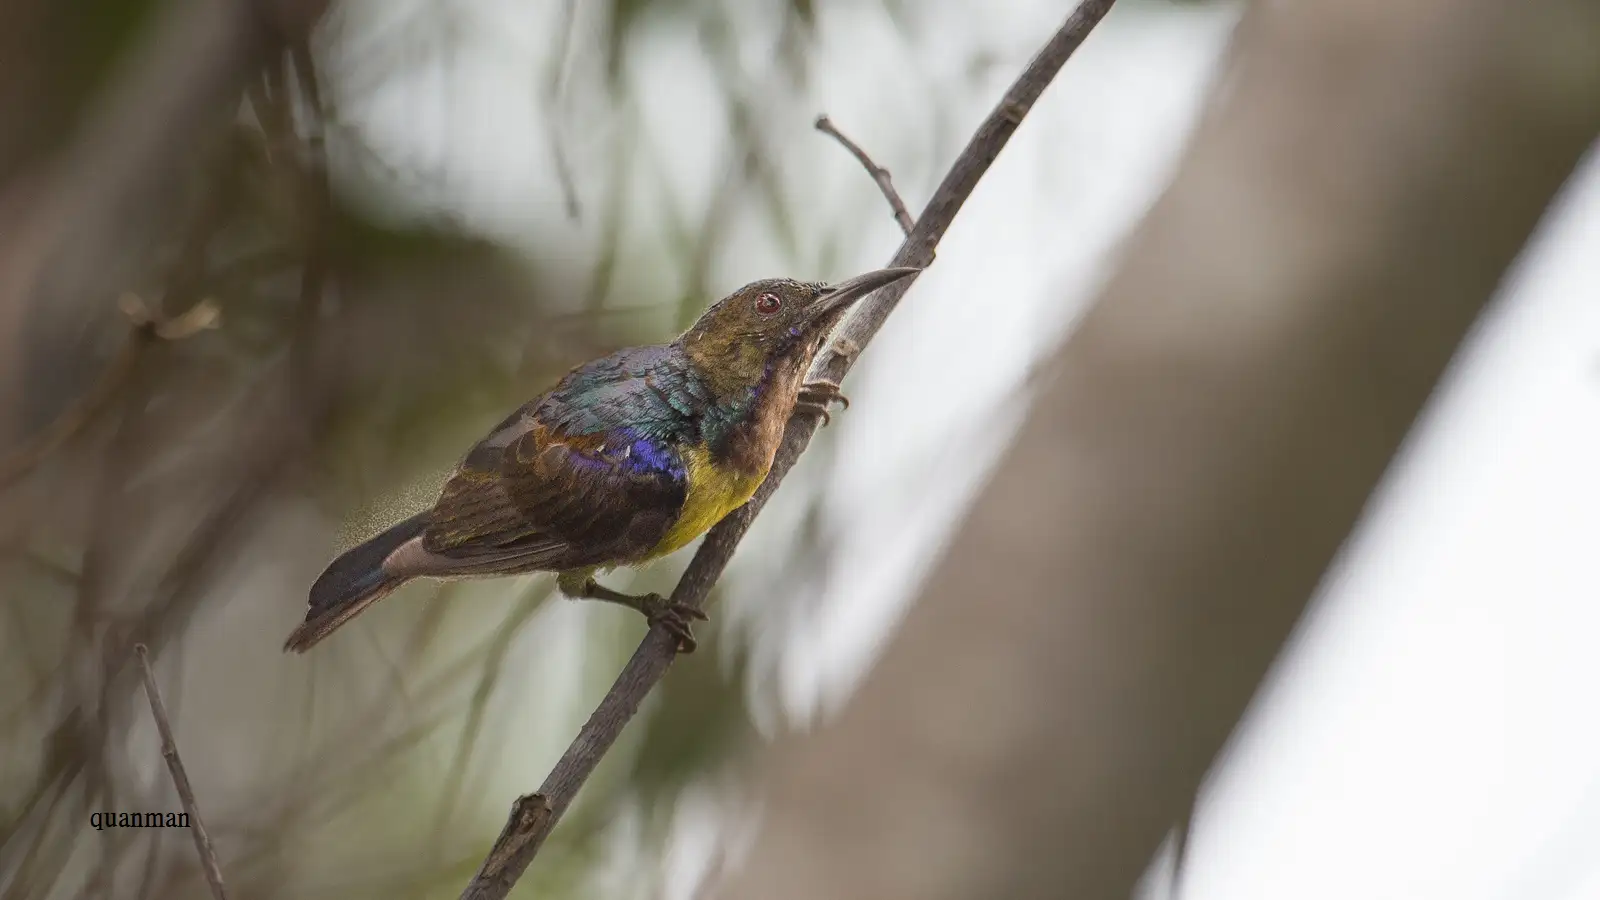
column 759, row 324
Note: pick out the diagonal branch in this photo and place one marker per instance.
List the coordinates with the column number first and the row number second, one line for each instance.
column 534, row 815
column 180, row 778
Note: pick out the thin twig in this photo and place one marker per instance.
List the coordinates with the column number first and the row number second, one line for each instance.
column 180, row 313
column 180, row 778
column 534, row 815
column 878, row 173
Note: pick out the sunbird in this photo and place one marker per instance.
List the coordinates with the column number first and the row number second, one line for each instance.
column 628, row 458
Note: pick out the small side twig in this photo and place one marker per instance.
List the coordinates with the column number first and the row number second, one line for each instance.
column 180, row 778
column 534, row 815
column 878, row 173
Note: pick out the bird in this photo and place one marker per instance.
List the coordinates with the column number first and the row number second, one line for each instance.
column 626, row 459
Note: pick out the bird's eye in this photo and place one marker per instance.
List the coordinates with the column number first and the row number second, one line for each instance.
column 767, row 304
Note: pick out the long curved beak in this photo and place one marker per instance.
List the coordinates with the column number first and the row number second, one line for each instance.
column 837, row 297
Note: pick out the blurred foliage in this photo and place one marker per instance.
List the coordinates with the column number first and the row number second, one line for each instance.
column 190, row 508
column 57, row 55
column 365, row 338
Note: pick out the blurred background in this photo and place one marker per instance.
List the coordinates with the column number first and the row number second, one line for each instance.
column 233, row 344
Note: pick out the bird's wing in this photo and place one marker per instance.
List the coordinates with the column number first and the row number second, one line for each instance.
column 587, row 475
column 647, row 389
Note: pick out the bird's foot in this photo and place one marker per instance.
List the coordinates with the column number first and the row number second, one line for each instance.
column 816, row 397
column 676, row 618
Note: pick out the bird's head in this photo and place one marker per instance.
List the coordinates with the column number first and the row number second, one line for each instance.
column 772, row 322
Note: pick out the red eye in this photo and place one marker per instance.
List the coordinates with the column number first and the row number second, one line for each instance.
column 767, row 304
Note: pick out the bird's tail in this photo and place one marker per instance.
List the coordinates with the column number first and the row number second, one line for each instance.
column 351, row 583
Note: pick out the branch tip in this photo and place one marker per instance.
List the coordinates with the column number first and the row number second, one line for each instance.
column 180, row 777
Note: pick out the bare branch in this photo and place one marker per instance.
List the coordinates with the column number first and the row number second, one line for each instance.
column 533, row 816
column 180, row 778
column 878, row 173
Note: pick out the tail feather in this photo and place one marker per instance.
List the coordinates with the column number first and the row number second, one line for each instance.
column 353, row 582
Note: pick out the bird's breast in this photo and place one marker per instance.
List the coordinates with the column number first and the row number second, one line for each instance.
column 722, row 475
column 714, row 490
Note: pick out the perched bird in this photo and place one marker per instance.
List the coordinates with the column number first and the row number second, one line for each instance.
column 628, row 458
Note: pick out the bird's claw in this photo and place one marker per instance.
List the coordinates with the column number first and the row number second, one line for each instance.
column 823, row 392
column 675, row 617
column 816, row 397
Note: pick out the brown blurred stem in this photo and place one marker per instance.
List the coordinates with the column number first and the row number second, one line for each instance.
column 147, row 325
column 180, row 777
column 89, row 225
column 554, row 84
column 316, row 196
column 78, row 413
column 878, row 173
column 534, row 815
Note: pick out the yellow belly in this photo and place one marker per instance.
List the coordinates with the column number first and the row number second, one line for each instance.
column 713, row 493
